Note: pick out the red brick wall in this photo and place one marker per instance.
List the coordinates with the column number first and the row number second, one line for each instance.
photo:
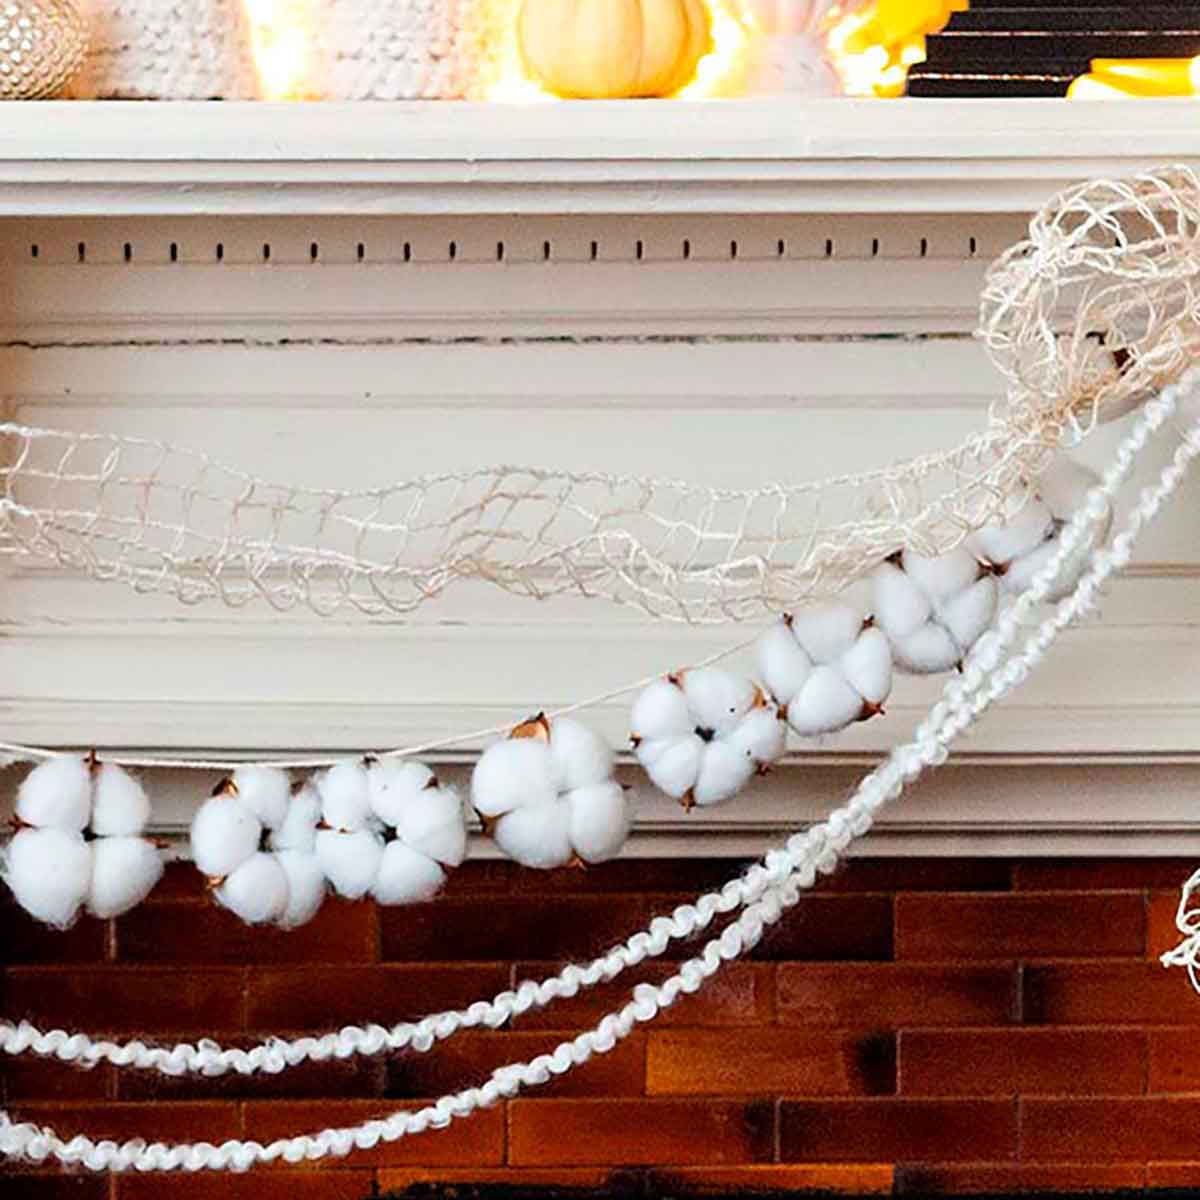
column 939, row 1025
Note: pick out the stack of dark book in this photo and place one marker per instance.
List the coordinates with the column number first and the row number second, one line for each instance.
column 1037, row 47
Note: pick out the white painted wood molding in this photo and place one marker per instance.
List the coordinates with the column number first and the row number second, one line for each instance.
column 731, row 156
column 731, row 291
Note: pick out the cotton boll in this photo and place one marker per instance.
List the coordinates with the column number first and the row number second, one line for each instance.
column 513, row 774
column 672, row 764
column 394, row 784
column 718, row 699
column 827, row 703
column 661, row 711
column 968, row 615
column 783, row 665
column 298, row 830
column 257, row 891
column 827, row 631
column 345, row 796
column 265, row 791
column 724, row 771
column 961, row 603
column 350, row 861
column 57, row 794
column 432, row 823
column 306, row 887
column 125, row 871
column 581, row 757
column 1064, row 486
column 867, row 666
column 943, row 576
column 406, row 876
column 49, row 872
column 1024, row 531
column 536, row 836
column 224, row 835
column 761, row 737
column 120, row 806
column 927, row 652
column 601, row 817
column 900, row 605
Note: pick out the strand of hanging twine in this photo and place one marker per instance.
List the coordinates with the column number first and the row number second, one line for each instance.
column 16, row 752
column 987, row 677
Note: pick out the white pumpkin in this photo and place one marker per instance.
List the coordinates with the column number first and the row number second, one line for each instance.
column 613, row 49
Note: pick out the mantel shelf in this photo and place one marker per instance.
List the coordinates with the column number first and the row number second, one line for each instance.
column 927, row 156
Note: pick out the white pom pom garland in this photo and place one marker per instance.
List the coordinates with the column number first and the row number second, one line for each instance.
column 548, row 798
column 703, row 734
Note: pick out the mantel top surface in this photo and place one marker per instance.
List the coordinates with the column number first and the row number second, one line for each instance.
column 75, row 158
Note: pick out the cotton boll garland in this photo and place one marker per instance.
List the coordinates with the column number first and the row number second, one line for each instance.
column 703, row 734
column 826, row 668
column 548, row 798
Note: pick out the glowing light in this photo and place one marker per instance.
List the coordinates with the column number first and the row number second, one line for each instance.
column 1121, row 78
column 281, row 35
column 874, row 45
column 722, row 71
column 503, row 77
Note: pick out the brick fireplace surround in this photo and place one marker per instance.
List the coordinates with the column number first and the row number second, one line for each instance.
column 737, row 292
column 920, row 1026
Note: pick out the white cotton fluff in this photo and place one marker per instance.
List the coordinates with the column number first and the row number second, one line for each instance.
column 57, row 794
column 392, row 784
column 125, row 871
column 257, row 891
column 826, row 668
column 581, row 756
column 601, row 819
column 49, row 872
column 703, row 734
column 120, row 806
column 537, row 836
column 512, row 774
column 350, row 861
column 306, row 887
column 406, row 876
column 551, row 799
column 265, row 791
column 933, row 610
column 225, row 833
column 1059, row 491
column 298, row 830
column 345, row 796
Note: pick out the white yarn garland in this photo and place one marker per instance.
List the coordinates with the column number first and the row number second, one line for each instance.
column 986, row 677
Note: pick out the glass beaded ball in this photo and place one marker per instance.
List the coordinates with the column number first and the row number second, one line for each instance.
column 42, row 43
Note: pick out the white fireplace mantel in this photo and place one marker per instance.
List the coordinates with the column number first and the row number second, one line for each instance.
column 737, row 291
column 951, row 156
